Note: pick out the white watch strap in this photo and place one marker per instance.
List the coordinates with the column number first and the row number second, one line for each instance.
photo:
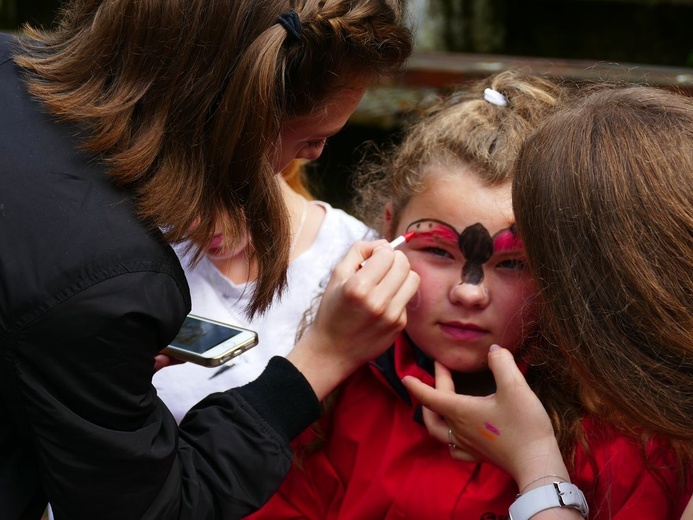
column 557, row 494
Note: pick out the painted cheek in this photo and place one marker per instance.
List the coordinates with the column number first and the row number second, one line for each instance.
column 216, row 242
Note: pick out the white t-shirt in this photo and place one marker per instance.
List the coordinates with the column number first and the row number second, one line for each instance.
column 216, row 297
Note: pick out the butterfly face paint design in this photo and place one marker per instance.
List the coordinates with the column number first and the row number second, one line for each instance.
column 475, row 243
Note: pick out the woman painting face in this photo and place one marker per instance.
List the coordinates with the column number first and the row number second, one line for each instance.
column 475, row 290
column 305, row 137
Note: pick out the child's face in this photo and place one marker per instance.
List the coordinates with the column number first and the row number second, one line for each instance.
column 475, row 290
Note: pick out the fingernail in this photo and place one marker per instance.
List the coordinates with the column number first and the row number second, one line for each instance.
column 494, row 347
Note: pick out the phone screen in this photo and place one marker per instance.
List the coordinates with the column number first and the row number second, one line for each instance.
column 199, row 336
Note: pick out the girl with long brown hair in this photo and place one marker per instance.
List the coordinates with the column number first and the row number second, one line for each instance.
column 131, row 125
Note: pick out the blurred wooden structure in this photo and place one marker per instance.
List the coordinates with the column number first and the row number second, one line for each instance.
column 428, row 73
column 439, row 70
column 385, row 108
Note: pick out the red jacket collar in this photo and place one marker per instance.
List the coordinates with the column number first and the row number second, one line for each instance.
column 404, row 358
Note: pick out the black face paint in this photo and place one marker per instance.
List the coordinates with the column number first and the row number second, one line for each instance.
column 476, row 245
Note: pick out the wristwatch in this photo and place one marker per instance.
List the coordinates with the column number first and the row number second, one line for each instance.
column 557, row 494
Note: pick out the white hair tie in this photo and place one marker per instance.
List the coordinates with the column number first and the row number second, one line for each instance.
column 495, row 97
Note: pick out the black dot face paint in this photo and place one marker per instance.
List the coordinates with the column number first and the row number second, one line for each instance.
column 475, row 243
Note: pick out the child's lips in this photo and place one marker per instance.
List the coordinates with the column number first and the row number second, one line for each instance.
column 463, row 331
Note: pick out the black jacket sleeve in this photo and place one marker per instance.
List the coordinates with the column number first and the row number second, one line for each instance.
column 79, row 380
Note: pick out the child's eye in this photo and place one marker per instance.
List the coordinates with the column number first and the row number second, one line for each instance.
column 512, row 265
column 437, row 251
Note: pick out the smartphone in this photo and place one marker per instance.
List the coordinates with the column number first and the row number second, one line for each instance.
column 209, row 343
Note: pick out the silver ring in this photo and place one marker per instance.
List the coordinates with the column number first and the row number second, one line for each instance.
column 451, row 444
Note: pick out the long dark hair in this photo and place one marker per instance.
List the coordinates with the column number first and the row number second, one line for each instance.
column 603, row 197
column 184, row 100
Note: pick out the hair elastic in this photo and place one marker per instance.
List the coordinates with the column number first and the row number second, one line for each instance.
column 495, row 98
column 290, row 21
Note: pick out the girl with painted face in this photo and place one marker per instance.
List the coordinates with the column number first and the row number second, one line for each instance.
column 448, row 188
column 372, row 456
column 608, row 229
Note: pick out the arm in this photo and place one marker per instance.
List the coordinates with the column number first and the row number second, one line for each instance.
column 309, row 488
column 108, row 448
column 509, row 428
column 360, row 314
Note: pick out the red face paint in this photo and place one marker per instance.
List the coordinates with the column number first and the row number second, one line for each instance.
column 434, row 232
column 507, row 240
column 475, row 243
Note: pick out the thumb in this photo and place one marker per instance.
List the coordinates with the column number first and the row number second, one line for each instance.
column 505, row 372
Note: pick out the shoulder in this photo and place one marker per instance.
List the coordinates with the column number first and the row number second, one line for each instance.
column 613, row 445
column 81, row 247
column 623, row 473
column 338, row 219
column 339, row 229
column 365, row 392
column 7, row 41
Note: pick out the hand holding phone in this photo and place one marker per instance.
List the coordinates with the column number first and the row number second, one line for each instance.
column 208, row 342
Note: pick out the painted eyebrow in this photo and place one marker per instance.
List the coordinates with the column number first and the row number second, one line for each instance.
column 439, row 231
column 508, row 240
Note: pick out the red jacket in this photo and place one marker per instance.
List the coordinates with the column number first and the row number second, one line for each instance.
column 380, row 463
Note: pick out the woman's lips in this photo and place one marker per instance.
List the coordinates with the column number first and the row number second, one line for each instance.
column 463, row 331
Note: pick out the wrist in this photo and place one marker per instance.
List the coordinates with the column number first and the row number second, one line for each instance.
column 558, row 496
column 546, row 462
column 542, row 480
column 323, row 370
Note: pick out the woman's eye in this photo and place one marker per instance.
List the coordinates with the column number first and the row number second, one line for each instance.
column 512, row 265
column 318, row 143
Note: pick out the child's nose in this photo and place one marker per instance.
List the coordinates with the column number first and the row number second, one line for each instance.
column 470, row 294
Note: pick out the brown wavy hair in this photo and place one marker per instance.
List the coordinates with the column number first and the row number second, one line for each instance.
column 603, row 197
column 184, row 101
column 461, row 127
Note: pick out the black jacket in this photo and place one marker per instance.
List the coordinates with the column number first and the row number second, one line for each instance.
column 88, row 297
